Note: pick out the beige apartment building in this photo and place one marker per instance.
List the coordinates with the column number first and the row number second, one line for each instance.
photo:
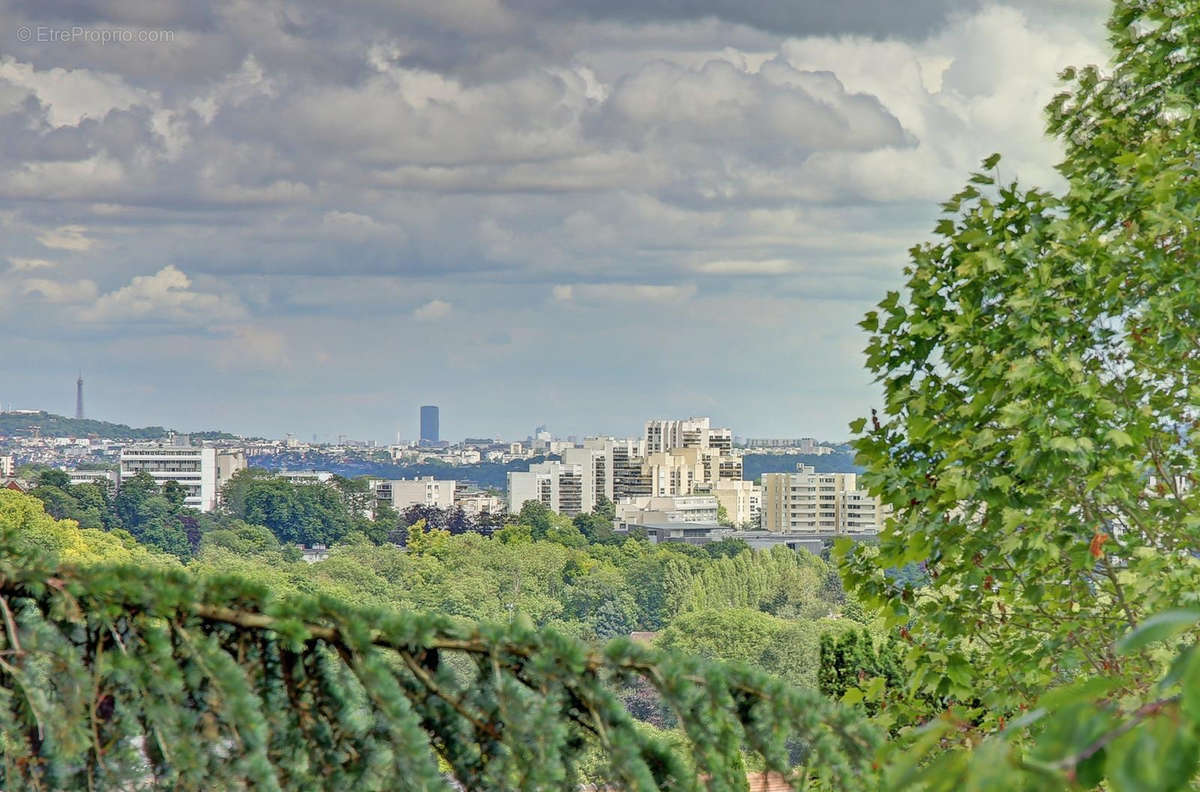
column 818, row 502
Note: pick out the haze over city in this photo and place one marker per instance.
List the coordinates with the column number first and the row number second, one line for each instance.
column 294, row 218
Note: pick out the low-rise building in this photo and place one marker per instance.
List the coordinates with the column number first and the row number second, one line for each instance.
column 655, row 509
column 305, row 476
column 106, row 478
column 425, row 491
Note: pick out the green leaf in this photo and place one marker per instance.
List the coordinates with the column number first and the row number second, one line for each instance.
column 1088, row 689
column 1159, row 627
column 991, row 161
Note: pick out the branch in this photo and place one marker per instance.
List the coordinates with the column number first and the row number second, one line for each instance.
column 1143, row 712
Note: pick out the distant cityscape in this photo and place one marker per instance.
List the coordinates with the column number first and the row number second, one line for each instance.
column 682, row 479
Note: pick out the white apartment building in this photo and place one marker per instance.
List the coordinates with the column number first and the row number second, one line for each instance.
column 6, row 467
column 557, row 485
column 229, row 461
column 474, row 504
column 818, row 502
column 665, row 435
column 194, row 468
column 681, row 471
column 661, row 510
column 424, row 491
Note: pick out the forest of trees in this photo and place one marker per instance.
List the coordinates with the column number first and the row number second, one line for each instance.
column 1029, row 618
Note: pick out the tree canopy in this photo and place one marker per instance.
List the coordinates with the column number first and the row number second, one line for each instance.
column 1038, row 439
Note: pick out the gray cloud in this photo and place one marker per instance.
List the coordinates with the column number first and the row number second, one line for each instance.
column 514, row 189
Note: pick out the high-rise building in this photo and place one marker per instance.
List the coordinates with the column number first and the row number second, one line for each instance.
column 819, row 502
column 6, row 467
column 557, row 486
column 79, row 397
column 429, row 424
column 667, row 435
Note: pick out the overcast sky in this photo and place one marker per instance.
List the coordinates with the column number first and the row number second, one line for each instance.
column 289, row 216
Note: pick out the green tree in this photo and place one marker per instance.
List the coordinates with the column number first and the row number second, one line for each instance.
column 1038, row 438
column 120, row 677
column 787, row 649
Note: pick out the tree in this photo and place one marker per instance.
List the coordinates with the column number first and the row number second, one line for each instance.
column 784, row 648
column 297, row 513
column 54, row 478
column 537, row 516
column 166, row 680
column 1038, row 438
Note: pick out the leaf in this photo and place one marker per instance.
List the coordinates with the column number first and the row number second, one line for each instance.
column 1088, row 689
column 1159, row 627
column 991, row 161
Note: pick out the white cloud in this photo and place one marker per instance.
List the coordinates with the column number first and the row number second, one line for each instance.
column 59, row 291
column 66, row 238
column 74, row 94
column 623, row 292
column 165, row 296
column 253, row 347
column 27, row 264
column 431, row 311
column 747, row 267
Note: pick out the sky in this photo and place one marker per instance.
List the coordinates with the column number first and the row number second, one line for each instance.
column 295, row 216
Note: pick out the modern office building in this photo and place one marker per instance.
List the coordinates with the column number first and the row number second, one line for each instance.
column 201, row 470
column 194, row 468
column 429, row 425
column 818, row 502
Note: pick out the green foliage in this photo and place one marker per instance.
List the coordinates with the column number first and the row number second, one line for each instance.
column 780, row 581
column 1039, row 444
column 123, row 677
column 298, row 513
column 787, row 649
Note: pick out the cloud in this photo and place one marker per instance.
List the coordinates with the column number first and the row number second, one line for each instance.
column 27, row 264
column 432, row 311
column 66, row 238
column 622, row 292
column 747, row 267
column 250, row 347
column 310, row 168
column 59, row 291
column 166, row 296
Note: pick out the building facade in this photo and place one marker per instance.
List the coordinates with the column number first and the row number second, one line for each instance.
column 741, row 500
column 425, row 491
column 818, row 502
column 193, row 468
column 430, row 430
column 662, row 510
column 556, row 485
